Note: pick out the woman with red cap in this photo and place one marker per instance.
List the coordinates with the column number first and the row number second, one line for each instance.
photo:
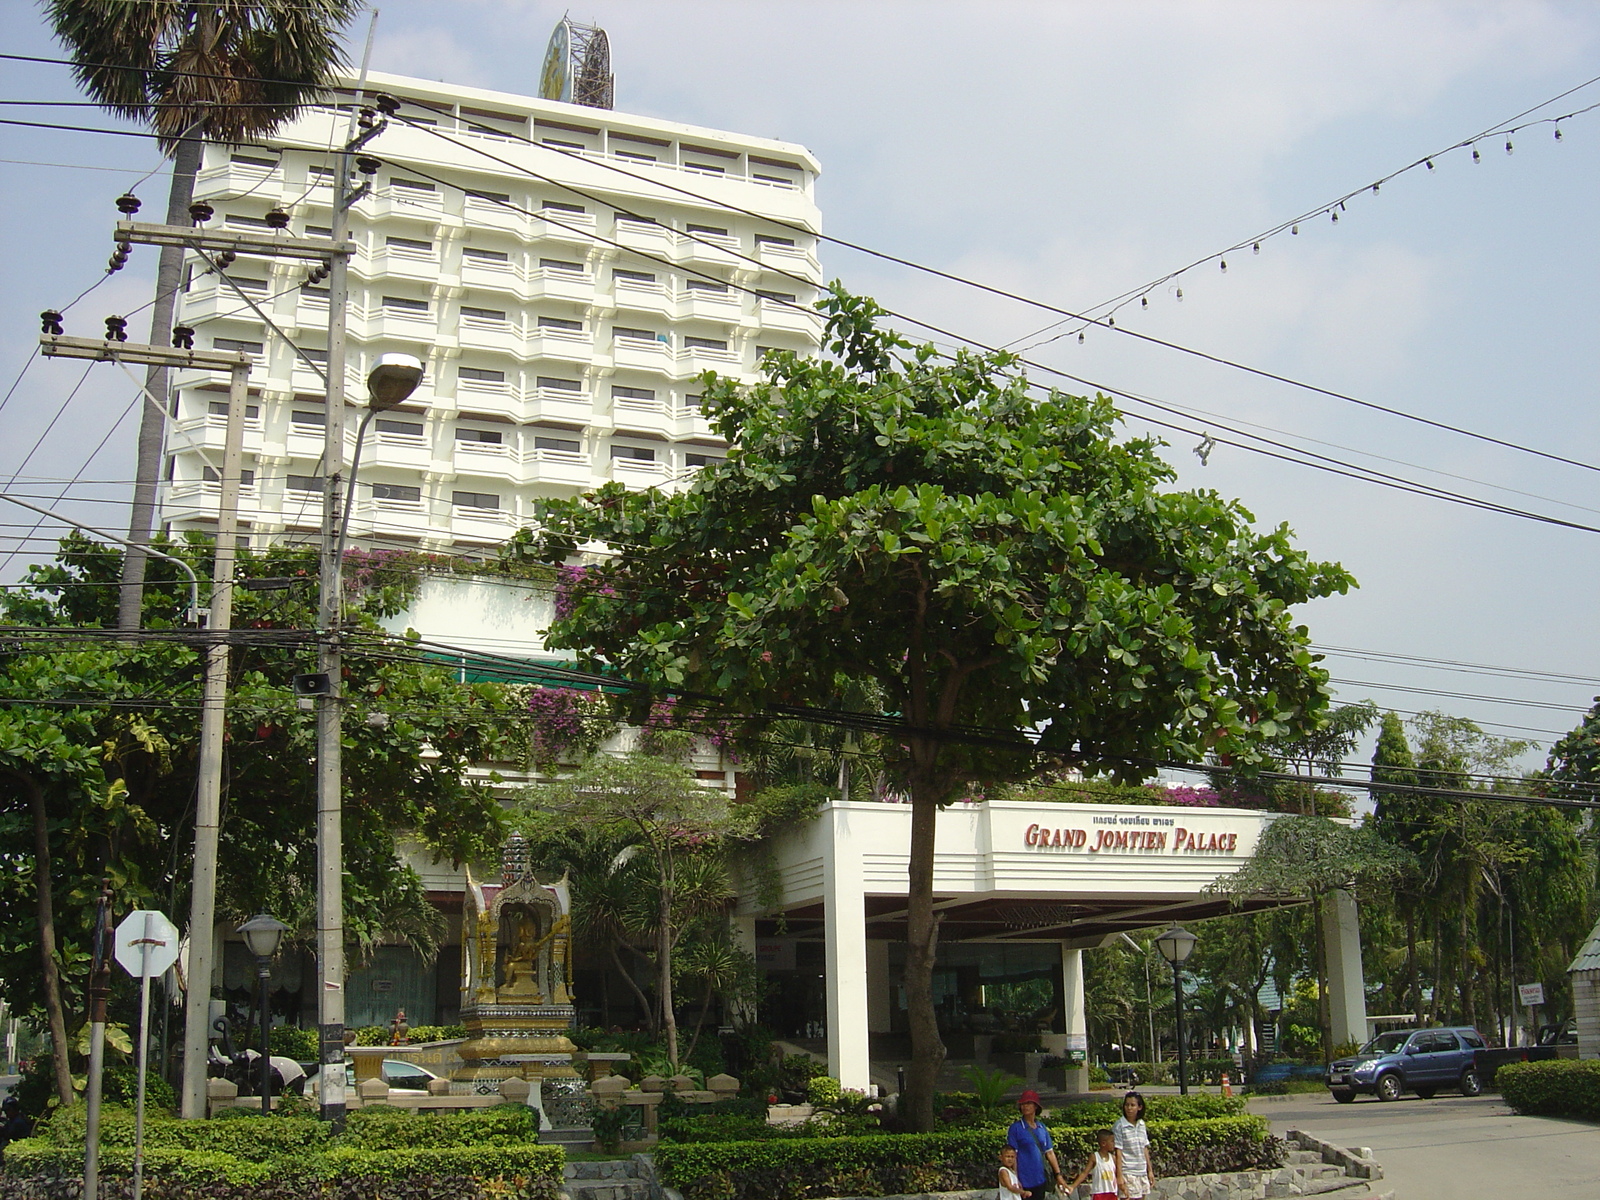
column 1036, row 1151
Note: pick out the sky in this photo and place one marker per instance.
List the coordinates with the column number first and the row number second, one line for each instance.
column 1071, row 152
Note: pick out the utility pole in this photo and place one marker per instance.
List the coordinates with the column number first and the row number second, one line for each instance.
column 214, row 686
column 330, row 663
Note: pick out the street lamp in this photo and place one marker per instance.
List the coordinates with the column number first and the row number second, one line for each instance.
column 389, row 384
column 262, row 935
column 1176, row 944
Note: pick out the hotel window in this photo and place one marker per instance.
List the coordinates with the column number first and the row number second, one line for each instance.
column 635, row 276
column 635, row 453
column 560, row 264
column 237, row 346
column 480, row 374
column 410, row 429
column 246, row 222
column 306, row 416
column 412, row 185
column 480, row 255
column 560, row 385
column 632, row 156
column 316, row 356
column 405, row 304
column 396, row 491
column 632, row 393
column 245, row 284
column 560, row 144
column 562, row 206
column 247, row 160
column 247, row 477
column 713, row 168
column 492, row 197
column 319, row 230
column 405, row 243
column 565, row 445
column 706, row 285
column 483, row 314
column 768, row 239
column 704, row 343
column 560, row 323
column 489, row 437
column 636, row 335
column 304, row 483
column 711, row 229
column 700, row 460
column 785, row 297
column 488, row 500
column 693, row 402
column 219, row 408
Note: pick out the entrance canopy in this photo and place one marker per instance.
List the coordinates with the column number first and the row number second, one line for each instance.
column 1074, row 875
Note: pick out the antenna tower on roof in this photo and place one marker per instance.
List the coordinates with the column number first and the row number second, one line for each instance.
column 577, row 66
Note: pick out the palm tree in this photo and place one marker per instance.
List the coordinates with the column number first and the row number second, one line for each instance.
column 195, row 71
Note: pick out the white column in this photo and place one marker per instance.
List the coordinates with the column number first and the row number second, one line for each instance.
column 1347, row 996
column 1077, row 1017
column 845, row 958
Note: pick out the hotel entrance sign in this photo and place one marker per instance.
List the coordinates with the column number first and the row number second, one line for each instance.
column 1149, row 835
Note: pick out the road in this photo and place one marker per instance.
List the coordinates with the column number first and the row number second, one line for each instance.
column 1453, row 1148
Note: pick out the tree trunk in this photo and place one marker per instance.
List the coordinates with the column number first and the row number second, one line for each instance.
column 152, row 424
column 922, row 936
column 664, row 961
column 54, row 1010
column 700, row 1021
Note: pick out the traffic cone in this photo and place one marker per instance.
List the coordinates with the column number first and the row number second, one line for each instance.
column 1227, row 1085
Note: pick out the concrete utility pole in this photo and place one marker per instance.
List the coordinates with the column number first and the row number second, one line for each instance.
column 330, row 663
column 214, row 686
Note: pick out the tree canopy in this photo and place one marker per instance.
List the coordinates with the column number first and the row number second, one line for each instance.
column 994, row 563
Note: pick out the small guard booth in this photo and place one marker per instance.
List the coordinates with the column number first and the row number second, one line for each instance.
column 1022, row 889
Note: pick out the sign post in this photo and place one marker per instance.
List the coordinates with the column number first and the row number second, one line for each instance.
column 1532, row 997
column 147, row 944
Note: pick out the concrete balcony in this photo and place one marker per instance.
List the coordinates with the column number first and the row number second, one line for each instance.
column 490, row 275
column 558, row 467
column 634, row 295
column 546, row 283
column 562, row 345
column 486, row 458
column 692, row 423
column 638, row 473
column 480, row 395
column 199, row 500
column 643, row 235
column 398, row 450
column 553, row 404
column 789, row 258
column 724, row 308
column 708, row 249
column 208, row 432
column 692, row 360
column 481, row 524
column 649, row 417
column 390, row 262
column 487, row 214
column 404, row 202
column 572, row 227
column 480, row 334
column 641, row 355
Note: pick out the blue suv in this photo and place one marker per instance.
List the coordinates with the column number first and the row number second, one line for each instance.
column 1425, row 1061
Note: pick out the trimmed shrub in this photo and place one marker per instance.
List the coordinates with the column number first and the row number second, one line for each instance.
column 383, row 1154
column 822, row 1090
column 1560, row 1087
column 881, row 1165
column 293, row 1042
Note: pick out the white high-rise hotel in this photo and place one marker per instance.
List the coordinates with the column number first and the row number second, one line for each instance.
column 555, row 359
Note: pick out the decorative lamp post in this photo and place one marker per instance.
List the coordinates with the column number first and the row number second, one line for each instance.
column 262, row 935
column 1176, row 944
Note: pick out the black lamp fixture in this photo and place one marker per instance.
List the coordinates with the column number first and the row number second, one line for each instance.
column 262, row 936
column 1176, row 944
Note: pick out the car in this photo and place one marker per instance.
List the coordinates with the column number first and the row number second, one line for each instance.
column 1424, row 1061
column 404, row 1078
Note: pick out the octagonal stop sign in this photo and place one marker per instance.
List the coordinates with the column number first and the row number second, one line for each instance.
column 147, row 943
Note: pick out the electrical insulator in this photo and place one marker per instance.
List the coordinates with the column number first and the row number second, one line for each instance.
column 386, row 103
column 1179, row 293
column 1294, row 229
column 1223, row 263
column 116, row 329
column 50, row 322
column 1508, row 147
column 1429, row 163
column 1558, row 133
column 1255, row 248
column 277, row 219
column 1144, row 301
column 367, row 165
column 1335, row 217
column 225, row 259
column 318, row 273
column 367, row 118
column 1476, row 157
column 200, row 212
column 127, row 204
column 183, row 337
column 1111, row 322
column 1080, row 339
column 1375, row 189
column 119, row 257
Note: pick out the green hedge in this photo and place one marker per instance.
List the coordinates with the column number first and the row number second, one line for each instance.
column 1561, row 1087
column 383, row 1154
column 888, row 1164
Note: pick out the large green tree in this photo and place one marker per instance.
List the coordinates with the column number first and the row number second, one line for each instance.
column 992, row 561
column 98, row 750
column 194, row 71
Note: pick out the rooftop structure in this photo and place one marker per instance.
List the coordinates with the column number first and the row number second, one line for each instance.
column 564, row 272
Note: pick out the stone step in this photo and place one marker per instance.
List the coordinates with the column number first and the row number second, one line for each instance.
column 607, row 1169
column 577, row 1138
column 1302, row 1156
column 607, row 1189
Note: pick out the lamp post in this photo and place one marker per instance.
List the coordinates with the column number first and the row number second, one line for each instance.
column 262, row 935
column 1176, row 944
column 392, row 378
